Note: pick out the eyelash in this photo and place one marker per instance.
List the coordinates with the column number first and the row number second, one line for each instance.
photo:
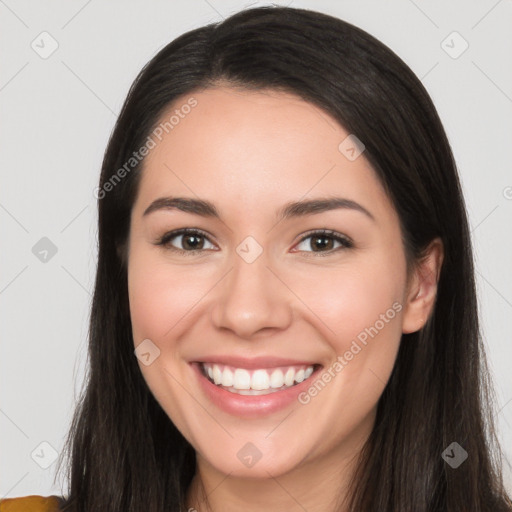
column 346, row 243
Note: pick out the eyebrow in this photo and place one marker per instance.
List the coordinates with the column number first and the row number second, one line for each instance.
column 289, row 210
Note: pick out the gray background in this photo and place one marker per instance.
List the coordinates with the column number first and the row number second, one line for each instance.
column 57, row 113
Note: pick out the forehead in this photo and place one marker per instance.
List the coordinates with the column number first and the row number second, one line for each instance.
column 254, row 147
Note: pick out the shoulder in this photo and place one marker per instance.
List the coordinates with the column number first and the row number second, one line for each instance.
column 33, row 503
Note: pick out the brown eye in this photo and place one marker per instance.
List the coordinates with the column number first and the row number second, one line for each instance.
column 325, row 241
column 190, row 240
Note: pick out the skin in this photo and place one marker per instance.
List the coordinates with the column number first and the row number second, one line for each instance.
column 250, row 153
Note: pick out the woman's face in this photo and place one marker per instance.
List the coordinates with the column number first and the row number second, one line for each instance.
column 257, row 300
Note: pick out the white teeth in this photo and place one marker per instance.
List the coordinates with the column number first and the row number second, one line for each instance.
column 276, row 379
column 260, row 380
column 289, row 377
column 227, row 377
column 256, row 382
column 217, row 375
column 242, row 379
column 252, row 392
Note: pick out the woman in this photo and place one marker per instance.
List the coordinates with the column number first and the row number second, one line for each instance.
column 285, row 315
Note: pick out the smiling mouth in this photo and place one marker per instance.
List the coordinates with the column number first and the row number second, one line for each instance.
column 261, row 381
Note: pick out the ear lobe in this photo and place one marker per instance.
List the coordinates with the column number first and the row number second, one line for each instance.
column 422, row 292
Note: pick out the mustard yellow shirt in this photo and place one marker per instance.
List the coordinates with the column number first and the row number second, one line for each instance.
column 33, row 503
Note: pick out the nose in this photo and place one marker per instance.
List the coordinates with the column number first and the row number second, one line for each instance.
column 251, row 299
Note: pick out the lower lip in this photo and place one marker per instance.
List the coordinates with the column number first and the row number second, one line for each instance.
column 250, row 406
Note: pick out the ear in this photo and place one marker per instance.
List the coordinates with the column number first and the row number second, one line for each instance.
column 422, row 289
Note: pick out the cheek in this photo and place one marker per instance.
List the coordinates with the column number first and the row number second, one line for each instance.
column 160, row 300
column 348, row 300
column 160, row 297
column 357, row 307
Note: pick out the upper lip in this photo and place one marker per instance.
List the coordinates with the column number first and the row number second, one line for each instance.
column 254, row 362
